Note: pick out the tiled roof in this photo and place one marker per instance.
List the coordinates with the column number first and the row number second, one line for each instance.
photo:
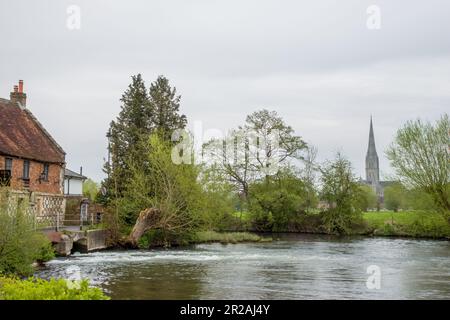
column 21, row 135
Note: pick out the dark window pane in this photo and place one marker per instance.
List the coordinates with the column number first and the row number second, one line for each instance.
column 45, row 172
column 26, row 169
column 8, row 164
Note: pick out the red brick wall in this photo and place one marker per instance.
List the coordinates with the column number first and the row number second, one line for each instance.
column 53, row 185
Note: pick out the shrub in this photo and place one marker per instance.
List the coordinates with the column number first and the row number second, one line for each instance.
column 226, row 237
column 277, row 201
column 161, row 238
column 341, row 192
column 20, row 244
column 46, row 252
column 39, row 289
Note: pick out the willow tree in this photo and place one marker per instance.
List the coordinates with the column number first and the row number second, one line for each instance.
column 420, row 157
column 169, row 189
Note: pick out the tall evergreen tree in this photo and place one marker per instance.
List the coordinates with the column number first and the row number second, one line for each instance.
column 125, row 132
column 143, row 112
column 165, row 105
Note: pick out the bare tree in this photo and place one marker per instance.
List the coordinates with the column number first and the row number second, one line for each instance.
column 255, row 150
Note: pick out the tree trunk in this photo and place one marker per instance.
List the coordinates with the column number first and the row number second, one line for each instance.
column 148, row 219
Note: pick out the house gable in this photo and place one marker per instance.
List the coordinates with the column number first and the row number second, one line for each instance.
column 22, row 136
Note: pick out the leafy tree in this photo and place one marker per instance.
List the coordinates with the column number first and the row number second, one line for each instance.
column 367, row 198
column 340, row 190
column 276, row 202
column 219, row 199
column 91, row 189
column 395, row 196
column 172, row 189
column 420, row 157
column 20, row 244
column 418, row 199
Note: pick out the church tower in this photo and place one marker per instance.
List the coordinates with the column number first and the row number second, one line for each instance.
column 372, row 163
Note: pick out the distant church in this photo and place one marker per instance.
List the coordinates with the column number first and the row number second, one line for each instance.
column 373, row 168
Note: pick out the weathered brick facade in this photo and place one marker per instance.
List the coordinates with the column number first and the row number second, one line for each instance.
column 53, row 185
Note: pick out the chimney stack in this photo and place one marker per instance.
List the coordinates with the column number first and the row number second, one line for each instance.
column 18, row 96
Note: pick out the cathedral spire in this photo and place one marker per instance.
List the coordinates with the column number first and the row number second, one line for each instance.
column 371, row 149
column 372, row 163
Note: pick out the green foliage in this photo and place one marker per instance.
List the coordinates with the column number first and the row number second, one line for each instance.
column 419, row 154
column 226, row 237
column 367, row 198
column 165, row 107
column 395, row 197
column 142, row 113
column 20, row 244
column 341, row 192
column 91, row 189
column 277, row 201
column 46, row 251
column 124, row 134
column 157, row 238
column 219, row 199
column 418, row 199
column 408, row 223
column 171, row 188
column 161, row 238
column 39, row 289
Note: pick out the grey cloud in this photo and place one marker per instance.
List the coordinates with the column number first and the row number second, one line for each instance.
column 316, row 63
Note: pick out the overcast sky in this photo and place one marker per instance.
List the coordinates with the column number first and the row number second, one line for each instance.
column 315, row 62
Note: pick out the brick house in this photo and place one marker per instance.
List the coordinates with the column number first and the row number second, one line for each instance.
column 31, row 162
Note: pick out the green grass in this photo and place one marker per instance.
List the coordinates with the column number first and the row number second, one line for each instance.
column 227, row 237
column 408, row 223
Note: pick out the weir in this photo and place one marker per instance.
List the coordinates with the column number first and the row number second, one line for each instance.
column 67, row 241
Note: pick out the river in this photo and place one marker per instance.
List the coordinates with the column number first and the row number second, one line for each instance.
column 291, row 267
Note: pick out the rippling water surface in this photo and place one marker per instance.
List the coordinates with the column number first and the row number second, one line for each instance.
column 292, row 267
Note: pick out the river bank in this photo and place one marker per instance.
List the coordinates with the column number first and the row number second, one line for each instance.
column 411, row 224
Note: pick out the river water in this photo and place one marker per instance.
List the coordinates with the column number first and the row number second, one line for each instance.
column 290, row 267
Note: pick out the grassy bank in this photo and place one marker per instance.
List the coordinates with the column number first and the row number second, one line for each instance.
column 227, row 237
column 407, row 223
column 420, row 224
